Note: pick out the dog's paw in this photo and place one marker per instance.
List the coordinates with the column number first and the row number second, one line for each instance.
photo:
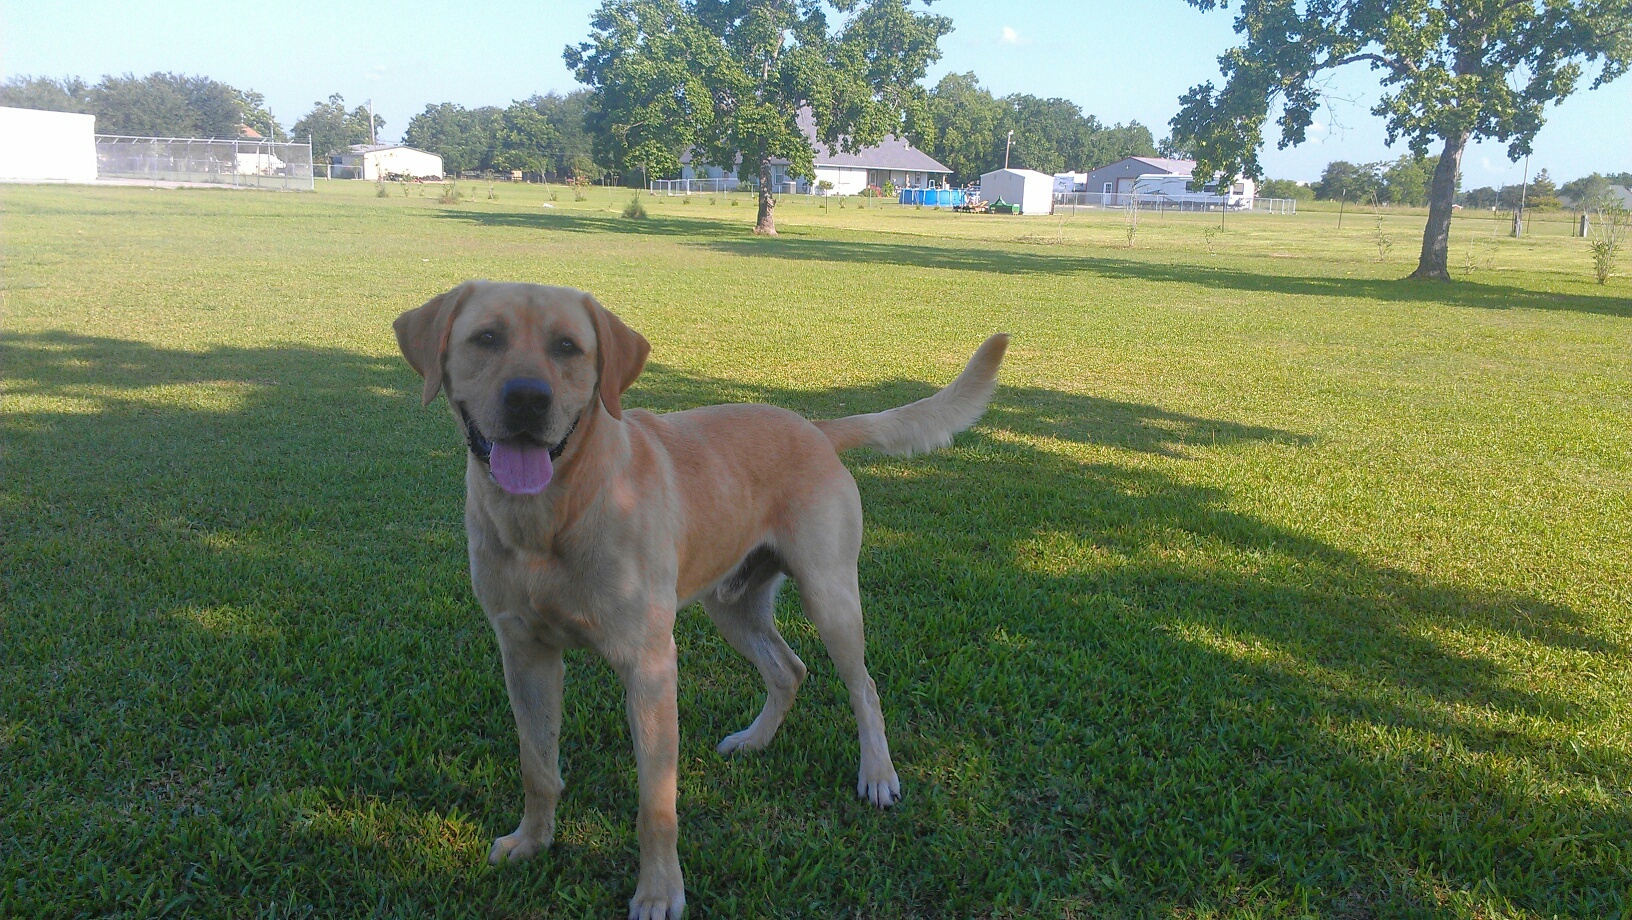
column 516, row 847
column 657, row 905
column 745, row 740
column 882, row 787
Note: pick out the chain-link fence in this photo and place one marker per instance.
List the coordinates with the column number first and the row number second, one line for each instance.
column 241, row 162
column 695, row 186
column 1200, row 201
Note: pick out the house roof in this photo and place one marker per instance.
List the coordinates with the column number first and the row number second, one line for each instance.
column 891, row 153
column 1171, row 167
column 1031, row 174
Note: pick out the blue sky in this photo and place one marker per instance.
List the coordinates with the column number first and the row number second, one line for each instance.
column 1118, row 60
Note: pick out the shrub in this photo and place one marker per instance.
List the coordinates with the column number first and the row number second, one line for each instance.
column 1609, row 225
column 635, row 209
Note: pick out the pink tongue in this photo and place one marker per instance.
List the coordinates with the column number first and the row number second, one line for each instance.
column 521, row 470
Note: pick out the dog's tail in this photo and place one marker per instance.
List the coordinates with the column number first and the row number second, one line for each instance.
column 930, row 422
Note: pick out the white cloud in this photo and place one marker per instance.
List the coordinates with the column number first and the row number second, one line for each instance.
column 1010, row 37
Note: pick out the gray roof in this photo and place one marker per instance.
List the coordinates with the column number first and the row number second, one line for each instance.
column 1171, row 167
column 891, row 153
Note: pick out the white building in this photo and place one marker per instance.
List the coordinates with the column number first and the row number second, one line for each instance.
column 1068, row 182
column 379, row 161
column 1159, row 177
column 1030, row 190
column 38, row 146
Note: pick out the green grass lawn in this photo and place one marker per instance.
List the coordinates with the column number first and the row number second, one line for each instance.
column 1270, row 586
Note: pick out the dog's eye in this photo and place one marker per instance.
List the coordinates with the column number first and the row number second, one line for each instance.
column 566, row 347
column 487, row 338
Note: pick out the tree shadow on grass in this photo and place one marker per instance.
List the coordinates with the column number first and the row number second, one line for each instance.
column 664, row 225
column 242, row 614
column 960, row 256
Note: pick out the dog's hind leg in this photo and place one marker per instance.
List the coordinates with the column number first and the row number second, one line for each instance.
column 744, row 614
column 822, row 559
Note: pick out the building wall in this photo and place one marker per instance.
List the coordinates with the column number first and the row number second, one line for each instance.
column 847, row 180
column 1121, row 176
column 1033, row 192
column 401, row 161
column 38, row 146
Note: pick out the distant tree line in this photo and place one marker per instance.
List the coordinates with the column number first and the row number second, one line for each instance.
column 157, row 105
column 966, row 128
column 1405, row 181
column 541, row 134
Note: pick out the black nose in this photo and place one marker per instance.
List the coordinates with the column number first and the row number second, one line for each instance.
column 526, row 399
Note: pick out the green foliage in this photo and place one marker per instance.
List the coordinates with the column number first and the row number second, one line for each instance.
column 464, row 138
column 543, row 134
column 1404, row 181
column 967, row 127
column 1345, row 181
column 1285, row 188
column 333, row 130
column 1451, row 71
column 729, row 79
column 1608, row 225
column 68, row 94
column 157, row 105
column 635, row 209
column 1586, row 189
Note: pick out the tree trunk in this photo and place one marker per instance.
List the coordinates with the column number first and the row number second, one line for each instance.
column 766, row 225
column 1436, row 236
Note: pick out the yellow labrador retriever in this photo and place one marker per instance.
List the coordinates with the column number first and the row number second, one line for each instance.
column 590, row 526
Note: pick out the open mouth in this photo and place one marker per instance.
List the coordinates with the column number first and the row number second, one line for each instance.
column 521, row 465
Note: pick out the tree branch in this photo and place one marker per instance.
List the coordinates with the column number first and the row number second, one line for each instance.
column 1402, row 68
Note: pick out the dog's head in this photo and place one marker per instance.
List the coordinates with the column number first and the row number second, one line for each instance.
column 523, row 365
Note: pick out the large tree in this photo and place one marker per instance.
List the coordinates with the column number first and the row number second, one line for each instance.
column 464, row 138
column 727, row 80
column 1453, row 71
column 332, row 129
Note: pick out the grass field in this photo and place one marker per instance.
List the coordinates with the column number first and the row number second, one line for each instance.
column 1271, row 586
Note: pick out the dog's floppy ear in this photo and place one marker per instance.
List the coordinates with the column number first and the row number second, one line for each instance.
column 422, row 334
column 620, row 354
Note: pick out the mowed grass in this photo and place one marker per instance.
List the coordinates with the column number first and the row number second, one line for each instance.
column 1270, row 586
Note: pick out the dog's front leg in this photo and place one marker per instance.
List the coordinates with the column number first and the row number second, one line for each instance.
column 533, row 677
column 650, row 678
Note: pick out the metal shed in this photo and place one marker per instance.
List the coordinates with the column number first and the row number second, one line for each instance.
column 1032, row 191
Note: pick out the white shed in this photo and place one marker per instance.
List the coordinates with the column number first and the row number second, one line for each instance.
column 1031, row 190
column 376, row 161
column 39, row 146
